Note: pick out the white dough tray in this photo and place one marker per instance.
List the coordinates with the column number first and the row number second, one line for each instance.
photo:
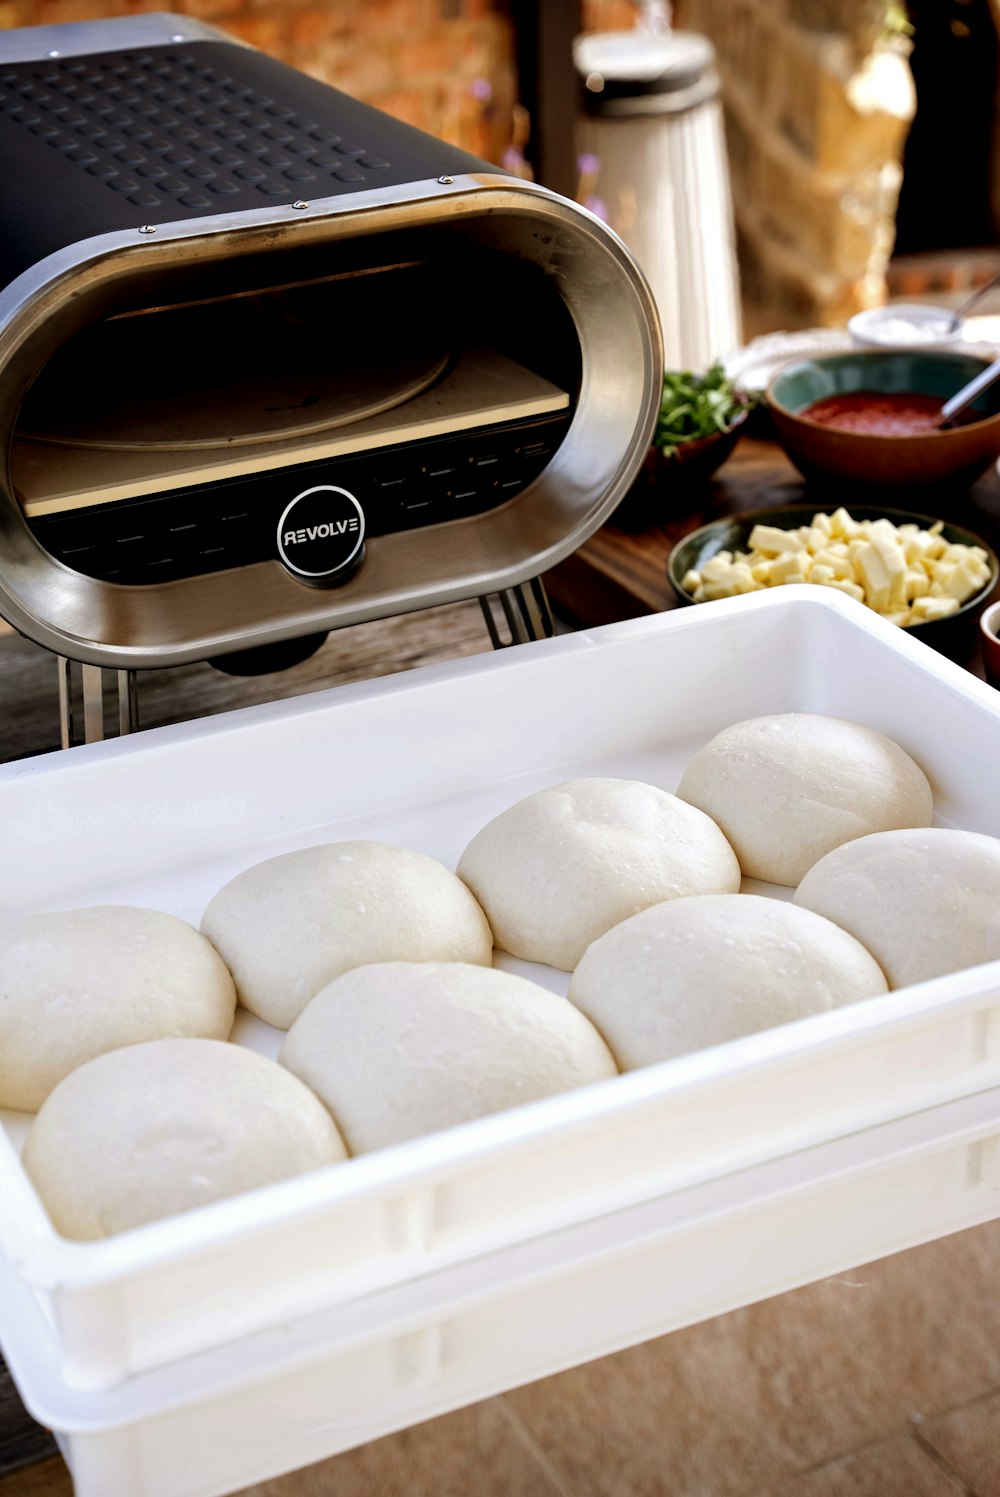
column 396, row 1279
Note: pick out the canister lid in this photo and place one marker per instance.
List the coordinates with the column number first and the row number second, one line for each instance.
column 636, row 72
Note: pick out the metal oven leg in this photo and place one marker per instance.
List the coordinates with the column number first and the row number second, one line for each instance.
column 124, row 682
column 65, row 669
column 526, row 610
column 128, row 703
column 93, row 704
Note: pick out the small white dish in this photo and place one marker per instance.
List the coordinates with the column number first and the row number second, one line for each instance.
column 901, row 325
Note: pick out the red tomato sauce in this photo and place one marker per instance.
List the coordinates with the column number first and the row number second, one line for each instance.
column 881, row 415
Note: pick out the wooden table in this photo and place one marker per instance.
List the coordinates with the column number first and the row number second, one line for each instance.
column 621, row 572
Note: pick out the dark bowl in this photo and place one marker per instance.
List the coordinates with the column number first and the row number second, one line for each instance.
column 695, row 462
column 665, row 477
column 924, row 460
column 952, row 636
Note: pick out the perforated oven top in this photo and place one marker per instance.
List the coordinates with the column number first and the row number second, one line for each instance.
column 155, row 135
column 243, row 316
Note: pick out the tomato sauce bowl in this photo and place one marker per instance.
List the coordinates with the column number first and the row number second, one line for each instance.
column 883, row 404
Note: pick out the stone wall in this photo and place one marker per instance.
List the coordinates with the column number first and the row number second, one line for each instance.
column 447, row 66
column 817, row 104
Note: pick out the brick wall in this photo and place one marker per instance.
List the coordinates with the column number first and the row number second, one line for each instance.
column 447, row 66
column 610, row 15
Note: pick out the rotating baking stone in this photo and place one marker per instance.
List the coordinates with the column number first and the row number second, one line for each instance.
column 247, row 410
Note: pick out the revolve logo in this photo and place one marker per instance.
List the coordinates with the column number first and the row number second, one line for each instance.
column 321, row 534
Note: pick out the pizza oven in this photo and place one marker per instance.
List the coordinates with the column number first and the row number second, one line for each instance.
column 272, row 362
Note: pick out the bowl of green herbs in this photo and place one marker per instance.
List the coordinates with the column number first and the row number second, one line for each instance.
column 700, row 421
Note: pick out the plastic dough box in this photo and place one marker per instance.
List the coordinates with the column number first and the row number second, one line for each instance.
column 202, row 1353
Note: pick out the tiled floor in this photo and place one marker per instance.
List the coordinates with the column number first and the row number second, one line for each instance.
column 883, row 1382
column 968, row 1441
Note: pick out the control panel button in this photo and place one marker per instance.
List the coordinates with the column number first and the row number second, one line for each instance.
column 321, row 535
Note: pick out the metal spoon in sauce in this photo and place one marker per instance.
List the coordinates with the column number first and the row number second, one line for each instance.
column 967, row 395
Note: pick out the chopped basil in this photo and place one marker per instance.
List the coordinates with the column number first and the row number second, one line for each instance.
column 694, row 406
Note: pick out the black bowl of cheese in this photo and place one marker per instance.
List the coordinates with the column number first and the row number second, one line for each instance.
column 928, row 576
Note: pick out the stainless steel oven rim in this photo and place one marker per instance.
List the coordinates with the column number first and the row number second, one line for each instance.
column 83, row 38
column 163, row 624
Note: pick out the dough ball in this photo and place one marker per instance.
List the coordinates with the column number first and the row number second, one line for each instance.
column 159, row 1128
column 558, row 869
column 402, row 1049
column 290, row 925
column 787, row 789
column 76, row 984
column 924, row 901
column 700, row 971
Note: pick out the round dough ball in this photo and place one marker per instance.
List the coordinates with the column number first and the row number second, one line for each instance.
column 786, row 789
column 162, row 1127
column 924, row 902
column 559, row 868
column 402, row 1049
column 76, row 984
column 291, row 924
column 697, row 972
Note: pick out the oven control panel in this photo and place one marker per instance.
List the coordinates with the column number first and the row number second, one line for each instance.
column 314, row 519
